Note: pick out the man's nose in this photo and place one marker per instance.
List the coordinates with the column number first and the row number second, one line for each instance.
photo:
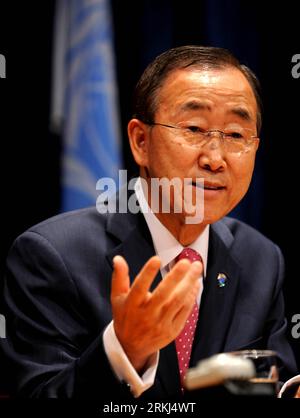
column 212, row 154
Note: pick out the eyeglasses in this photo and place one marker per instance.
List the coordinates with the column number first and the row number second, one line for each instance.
column 235, row 139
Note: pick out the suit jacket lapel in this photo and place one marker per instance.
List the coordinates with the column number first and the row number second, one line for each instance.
column 135, row 243
column 134, row 240
column 217, row 303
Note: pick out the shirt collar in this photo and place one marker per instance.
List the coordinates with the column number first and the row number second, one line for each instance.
column 165, row 244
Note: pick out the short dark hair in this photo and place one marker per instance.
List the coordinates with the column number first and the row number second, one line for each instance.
column 145, row 94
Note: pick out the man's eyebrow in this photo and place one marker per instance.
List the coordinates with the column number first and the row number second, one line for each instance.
column 202, row 105
column 195, row 105
column 242, row 113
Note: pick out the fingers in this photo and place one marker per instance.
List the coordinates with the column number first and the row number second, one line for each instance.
column 143, row 280
column 145, row 319
column 120, row 277
column 171, row 300
column 179, row 318
column 173, row 281
column 141, row 284
column 183, row 297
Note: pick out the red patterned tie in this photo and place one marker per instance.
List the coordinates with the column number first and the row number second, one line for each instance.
column 185, row 339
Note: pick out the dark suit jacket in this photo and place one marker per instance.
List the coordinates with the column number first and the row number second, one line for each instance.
column 56, row 301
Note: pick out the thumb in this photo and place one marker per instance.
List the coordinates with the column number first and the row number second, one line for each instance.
column 120, row 277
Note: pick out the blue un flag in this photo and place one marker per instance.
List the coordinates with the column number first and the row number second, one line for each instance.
column 91, row 133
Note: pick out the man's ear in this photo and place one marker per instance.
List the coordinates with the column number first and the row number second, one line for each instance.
column 138, row 139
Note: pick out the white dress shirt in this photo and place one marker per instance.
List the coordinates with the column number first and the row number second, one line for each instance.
column 167, row 248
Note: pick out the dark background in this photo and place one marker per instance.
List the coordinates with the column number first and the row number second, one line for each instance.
column 265, row 39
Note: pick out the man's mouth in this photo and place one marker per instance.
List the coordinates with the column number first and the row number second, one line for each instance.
column 208, row 185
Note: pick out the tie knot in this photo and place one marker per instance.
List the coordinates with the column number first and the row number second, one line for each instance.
column 190, row 254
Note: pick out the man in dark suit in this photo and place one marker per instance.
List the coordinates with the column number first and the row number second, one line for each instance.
column 94, row 302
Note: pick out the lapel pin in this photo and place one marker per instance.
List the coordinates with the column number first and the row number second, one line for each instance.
column 221, row 279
